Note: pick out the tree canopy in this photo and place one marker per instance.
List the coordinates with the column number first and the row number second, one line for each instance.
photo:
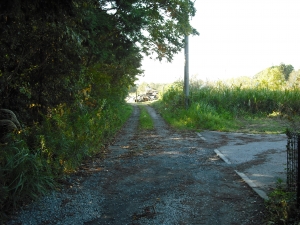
column 52, row 50
column 274, row 77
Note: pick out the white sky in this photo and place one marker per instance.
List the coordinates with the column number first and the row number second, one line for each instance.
column 237, row 38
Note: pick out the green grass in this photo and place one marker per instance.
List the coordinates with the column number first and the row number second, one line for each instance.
column 223, row 108
column 258, row 125
column 145, row 120
column 198, row 117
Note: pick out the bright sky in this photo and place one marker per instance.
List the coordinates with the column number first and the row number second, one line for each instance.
column 237, row 38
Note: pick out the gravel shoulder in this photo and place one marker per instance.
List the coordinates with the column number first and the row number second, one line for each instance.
column 161, row 176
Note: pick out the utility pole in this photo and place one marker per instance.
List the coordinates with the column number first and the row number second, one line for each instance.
column 186, row 72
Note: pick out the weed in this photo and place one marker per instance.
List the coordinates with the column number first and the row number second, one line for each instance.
column 281, row 207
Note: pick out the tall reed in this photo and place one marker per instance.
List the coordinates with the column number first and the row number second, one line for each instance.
column 216, row 106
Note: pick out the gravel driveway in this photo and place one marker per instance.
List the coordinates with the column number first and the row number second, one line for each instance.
column 162, row 176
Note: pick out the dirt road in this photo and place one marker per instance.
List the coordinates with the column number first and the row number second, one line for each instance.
column 154, row 177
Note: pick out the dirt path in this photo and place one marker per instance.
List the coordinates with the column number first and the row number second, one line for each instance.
column 151, row 177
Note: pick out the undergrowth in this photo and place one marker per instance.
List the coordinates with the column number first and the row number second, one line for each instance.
column 282, row 207
column 34, row 160
column 226, row 108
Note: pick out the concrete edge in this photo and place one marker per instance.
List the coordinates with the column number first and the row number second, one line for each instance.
column 222, row 156
column 261, row 193
column 251, row 184
column 203, row 138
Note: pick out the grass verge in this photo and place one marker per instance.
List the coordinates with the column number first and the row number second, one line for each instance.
column 145, row 120
column 201, row 116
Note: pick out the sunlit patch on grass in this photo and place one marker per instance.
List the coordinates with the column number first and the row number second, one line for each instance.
column 274, row 114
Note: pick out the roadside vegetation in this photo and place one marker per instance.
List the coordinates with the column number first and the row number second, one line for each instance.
column 39, row 157
column 243, row 105
column 145, row 121
column 282, row 207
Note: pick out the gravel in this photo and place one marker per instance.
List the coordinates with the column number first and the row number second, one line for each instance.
column 161, row 176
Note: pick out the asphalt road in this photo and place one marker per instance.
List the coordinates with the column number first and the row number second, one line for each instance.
column 260, row 159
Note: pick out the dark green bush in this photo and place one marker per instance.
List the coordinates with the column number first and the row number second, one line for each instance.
column 34, row 159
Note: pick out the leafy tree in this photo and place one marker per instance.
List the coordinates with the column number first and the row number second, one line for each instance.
column 271, row 78
column 158, row 26
column 294, row 79
column 40, row 56
column 116, row 32
column 286, row 70
column 48, row 47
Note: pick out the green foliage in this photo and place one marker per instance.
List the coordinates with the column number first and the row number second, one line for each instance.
column 73, row 135
column 218, row 106
column 24, row 175
column 281, row 207
column 145, row 121
column 40, row 56
column 44, row 153
column 274, row 77
column 174, row 95
column 199, row 115
column 294, row 80
column 286, row 70
column 48, row 46
column 271, row 78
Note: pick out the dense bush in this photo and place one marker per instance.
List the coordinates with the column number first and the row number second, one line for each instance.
column 36, row 158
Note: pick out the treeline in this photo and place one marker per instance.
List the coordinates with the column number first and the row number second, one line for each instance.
column 273, row 78
column 65, row 69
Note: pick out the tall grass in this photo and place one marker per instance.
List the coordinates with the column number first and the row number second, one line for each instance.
column 218, row 106
column 24, row 175
column 32, row 162
column 250, row 101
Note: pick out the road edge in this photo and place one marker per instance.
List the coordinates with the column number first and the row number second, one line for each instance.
column 245, row 178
